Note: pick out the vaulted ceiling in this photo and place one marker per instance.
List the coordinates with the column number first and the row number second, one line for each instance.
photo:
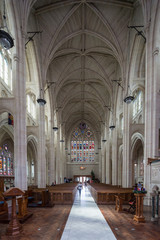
column 83, row 50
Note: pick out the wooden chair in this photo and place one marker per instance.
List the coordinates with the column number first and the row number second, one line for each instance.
column 132, row 204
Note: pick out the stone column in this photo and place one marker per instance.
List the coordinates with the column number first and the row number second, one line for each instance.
column 103, row 157
column 114, row 157
column 52, row 174
column 100, row 163
column 20, row 135
column 41, row 149
column 108, row 164
column 152, row 86
column 126, row 147
column 57, row 157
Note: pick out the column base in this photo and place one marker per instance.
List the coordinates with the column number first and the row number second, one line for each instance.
column 139, row 219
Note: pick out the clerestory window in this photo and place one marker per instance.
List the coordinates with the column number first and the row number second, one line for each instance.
column 137, row 103
column 5, row 68
column 31, row 105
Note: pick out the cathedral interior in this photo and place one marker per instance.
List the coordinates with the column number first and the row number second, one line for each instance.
column 80, row 93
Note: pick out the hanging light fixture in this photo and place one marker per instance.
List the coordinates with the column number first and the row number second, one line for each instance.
column 109, row 108
column 41, row 101
column 55, row 129
column 6, row 40
column 112, row 127
column 112, row 124
column 130, row 98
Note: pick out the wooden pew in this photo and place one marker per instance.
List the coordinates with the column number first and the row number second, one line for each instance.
column 107, row 194
column 63, row 193
column 38, row 197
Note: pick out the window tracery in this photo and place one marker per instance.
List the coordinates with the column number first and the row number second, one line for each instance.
column 6, row 161
column 82, row 144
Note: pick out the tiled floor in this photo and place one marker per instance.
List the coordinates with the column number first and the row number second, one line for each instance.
column 86, row 220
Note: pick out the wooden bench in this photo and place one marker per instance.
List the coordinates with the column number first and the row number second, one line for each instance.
column 38, row 197
column 63, row 193
column 106, row 194
column 119, row 203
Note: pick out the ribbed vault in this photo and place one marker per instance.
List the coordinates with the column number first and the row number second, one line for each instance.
column 83, row 50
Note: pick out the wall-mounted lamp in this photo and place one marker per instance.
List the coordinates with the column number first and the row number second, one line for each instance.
column 104, row 140
column 62, row 141
column 82, row 168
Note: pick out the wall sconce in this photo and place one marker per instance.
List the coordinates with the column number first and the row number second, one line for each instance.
column 82, row 168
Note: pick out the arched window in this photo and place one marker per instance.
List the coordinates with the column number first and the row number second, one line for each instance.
column 5, row 68
column 82, row 144
column 137, row 103
column 31, row 105
column 6, row 161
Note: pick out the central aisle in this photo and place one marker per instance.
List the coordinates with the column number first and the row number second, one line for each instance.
column 86, row 221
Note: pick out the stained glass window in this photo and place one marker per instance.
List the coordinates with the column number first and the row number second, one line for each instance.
column 82, row 144
column 6, row 161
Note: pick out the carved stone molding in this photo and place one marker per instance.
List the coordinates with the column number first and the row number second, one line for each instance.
column 156, row 51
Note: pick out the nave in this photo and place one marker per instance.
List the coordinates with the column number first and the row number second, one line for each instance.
column 86, row 221
column 52, row 223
